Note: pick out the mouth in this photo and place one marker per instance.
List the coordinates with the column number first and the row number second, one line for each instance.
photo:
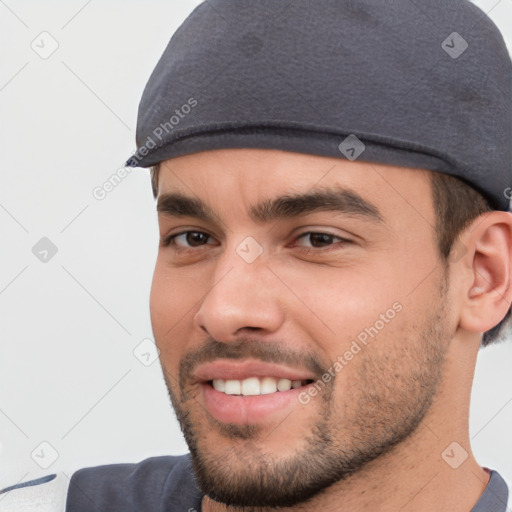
column 250, row 392
column 254, row 386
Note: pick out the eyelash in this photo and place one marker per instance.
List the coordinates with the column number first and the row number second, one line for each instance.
column 170, row 241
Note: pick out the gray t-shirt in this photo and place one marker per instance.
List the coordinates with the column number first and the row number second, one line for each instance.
column 162, row 484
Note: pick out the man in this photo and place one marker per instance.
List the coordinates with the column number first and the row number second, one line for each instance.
column 332, row 183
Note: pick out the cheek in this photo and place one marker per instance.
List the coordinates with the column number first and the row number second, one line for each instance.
column 160, row 301
column 343, row 301
column 371, row 309
column 170, row 300
column 174, row 291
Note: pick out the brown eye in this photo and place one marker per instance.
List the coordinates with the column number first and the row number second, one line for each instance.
column 187, row 239
column 318, row 239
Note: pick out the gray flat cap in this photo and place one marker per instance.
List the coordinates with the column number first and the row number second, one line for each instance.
column 416, row 83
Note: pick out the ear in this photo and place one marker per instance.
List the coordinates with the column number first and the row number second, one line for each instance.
column 487, row 266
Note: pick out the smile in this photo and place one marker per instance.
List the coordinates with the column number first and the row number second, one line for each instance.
column 256, row 386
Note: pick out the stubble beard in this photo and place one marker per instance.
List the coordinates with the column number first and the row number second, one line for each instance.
column 387, row 410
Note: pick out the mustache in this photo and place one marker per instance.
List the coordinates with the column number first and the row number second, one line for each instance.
column 247, row 348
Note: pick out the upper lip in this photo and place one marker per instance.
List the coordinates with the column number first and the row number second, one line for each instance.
column 227, row 369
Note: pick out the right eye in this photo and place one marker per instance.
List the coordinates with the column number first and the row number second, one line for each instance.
column 193, row 238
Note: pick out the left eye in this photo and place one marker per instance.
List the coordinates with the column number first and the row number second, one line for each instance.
column 321, row 238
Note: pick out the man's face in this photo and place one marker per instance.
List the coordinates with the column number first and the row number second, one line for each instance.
column 343, row 295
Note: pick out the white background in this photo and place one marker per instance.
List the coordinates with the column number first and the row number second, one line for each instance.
column 68, row 373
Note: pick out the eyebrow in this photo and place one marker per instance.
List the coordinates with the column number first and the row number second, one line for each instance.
column 340, row 200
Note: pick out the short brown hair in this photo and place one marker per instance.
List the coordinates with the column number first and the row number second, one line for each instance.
column 153, row 171
column 456, row 205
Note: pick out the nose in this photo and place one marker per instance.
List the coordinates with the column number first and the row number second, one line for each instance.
column 243, row 299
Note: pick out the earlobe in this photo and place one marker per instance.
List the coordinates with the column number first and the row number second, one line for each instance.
column 488, row 296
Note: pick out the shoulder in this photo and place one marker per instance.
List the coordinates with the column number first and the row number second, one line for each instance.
column 508, row 483
column 496, row 495
column 146, row 485
column 46, row 494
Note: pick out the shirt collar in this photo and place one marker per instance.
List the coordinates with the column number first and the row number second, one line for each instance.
column 495, row 495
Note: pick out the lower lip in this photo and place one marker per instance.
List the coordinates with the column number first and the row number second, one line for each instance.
column 240, row 409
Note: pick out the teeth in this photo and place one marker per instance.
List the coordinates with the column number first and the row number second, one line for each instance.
column 232, row 387
column 268, row 385
column 284, row 385
column 219, row 385
column 251, row 386
column 255, row 386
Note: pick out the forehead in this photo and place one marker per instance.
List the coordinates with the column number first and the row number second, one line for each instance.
column 246, row 176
